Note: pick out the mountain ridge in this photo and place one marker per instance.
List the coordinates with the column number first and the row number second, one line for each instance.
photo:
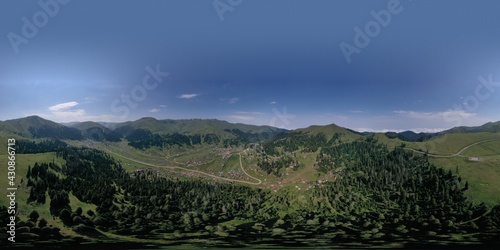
column 38, row 127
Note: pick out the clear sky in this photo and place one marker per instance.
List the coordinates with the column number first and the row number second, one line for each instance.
column 284, row 63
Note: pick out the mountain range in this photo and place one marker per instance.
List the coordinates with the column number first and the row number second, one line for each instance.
column 317, row 183
column 191, row 131
column 144, row 132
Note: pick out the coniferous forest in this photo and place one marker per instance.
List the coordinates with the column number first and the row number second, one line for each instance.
column 379, row 196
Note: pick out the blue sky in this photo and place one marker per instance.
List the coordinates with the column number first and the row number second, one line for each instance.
column 432, row 65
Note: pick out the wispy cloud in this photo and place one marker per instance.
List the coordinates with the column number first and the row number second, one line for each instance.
column 62, row 106
column 90, row 99
column 435, row 115
column 241, row 117
column 188, row 96
column 153, row 110
column 230, row 100
column 416, row 130
column 233, row 100
column 357, row 111
column 249, row 113
column 273, row 102
column 244, row 115
column 66, row 112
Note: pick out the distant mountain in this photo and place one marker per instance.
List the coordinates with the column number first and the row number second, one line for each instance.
column 149, row 131
column 37, row 127
column 110, row 125
column 191, row 126
column 492, row 127
column 330, row 130
column 307, row 139
column 145, row 132
column 97, row 132
column 410, row 136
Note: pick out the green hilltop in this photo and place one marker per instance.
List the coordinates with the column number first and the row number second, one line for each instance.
column 330, row 130
column 317, row 186
column 192, row 127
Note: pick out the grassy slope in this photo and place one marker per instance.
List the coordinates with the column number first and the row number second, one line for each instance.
column 330, row 130
column 445, row 145
column 483, row 176
column 22, row 125
column 22, row 194
column 87, row 125
column 487, row 150
column 194, row 126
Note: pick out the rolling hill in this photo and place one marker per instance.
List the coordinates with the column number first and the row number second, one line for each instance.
column 145, row 132
column 97, row 132
column 318, row 184
column 37, row 127
column 330, row 130
column 192, row 127
column 492, row 127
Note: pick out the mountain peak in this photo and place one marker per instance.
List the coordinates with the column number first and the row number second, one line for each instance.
column 148, row 118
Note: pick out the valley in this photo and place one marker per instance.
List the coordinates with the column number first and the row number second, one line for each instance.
column 321, row 186
column 232, row 124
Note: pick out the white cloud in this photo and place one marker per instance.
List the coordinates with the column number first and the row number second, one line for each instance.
column 230, row 100
column 65, row 112
column 357, row 111
column 163, row 106
column 233, row 100
column 90, row 99
column 242, row 117
column 416, row 130
column 273, row 102
column 188, row 96
column 62, row 106
column 153, row 110
column 435, row 115
column 249, row 113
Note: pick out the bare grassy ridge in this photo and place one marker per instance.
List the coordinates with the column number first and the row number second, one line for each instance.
column 23, row 161
column 441, row 145
column 483, row 176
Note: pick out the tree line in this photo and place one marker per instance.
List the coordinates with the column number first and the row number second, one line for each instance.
column 377, row 195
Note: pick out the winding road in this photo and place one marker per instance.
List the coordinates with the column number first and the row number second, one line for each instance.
column 458, row 153
column 242, row 169
column 192, row 170
column 260, row 181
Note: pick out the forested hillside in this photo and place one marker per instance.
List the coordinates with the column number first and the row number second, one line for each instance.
column 146, row 132
column 378, row 197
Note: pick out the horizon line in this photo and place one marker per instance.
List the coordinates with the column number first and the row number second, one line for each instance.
column 358, row 130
